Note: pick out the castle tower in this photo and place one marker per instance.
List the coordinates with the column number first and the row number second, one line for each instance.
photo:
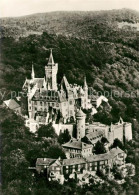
column 80, row 124
column 85, row 88
column 127, row 128
column 29, row 102
column 51, row 72
column 32, row 73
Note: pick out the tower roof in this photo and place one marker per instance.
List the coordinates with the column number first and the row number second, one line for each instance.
column 51, row 59
column 85, row 83
column 32, row 73
column 80, row 113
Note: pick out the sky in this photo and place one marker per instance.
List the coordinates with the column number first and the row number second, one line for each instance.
column 11, row 8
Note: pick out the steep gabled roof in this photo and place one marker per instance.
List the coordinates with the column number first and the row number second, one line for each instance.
column 65, row 83
column 51, row 59
column 39, row 82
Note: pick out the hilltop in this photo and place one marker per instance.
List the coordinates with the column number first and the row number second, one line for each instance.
column 79, row 24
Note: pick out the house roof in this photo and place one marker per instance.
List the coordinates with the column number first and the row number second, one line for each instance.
column 44, row 161
column 106, row 156
column 38, row 81
column 12, row 104
column 86, row 176
column 73, row 161
column 77, row 144
column 80, row 113
column 94, row 136
column 49, row 96
column 73, row 144
column 65, row 84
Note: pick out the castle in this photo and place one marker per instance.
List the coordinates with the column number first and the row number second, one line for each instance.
column 47, row 100
column 44, row 96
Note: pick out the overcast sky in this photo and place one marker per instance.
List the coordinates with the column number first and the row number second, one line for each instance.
column 25, row 7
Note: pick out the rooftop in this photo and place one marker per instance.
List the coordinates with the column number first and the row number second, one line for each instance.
column 45, row 161
column 107, row 156
column 12, row 104
column 80, row 113
column 73, row 161
column 77, row 144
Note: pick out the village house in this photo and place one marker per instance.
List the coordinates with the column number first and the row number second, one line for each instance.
column 55, row 169
column 77, row 148
column 13, row 105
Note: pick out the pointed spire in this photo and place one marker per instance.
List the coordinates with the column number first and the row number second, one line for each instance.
column 44, row 83
column 85, row 83
column 51, row 59
column 32, row 73
column 121, row 120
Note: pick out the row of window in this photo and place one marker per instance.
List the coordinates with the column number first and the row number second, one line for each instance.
column 46, row 104
column 74, row 150
column 87, row 150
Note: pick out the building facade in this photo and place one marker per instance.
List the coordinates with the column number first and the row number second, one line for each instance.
column 44, row 95
column 57, row 168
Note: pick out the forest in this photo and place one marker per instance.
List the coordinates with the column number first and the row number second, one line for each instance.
column 91, row 46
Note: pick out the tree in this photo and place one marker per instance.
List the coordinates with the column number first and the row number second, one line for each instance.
column 117, row 143
column 104, row 140
column 64, row 137
column 99, row 148
column 55, row 151
column 46, row 131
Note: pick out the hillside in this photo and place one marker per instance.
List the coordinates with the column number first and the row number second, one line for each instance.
column 104, row 46
column 96, row 25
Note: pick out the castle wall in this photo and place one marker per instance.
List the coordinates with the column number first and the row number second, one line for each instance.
column 71, row 103
column 62, row 127
column 128, row 131
column 80, row 121
column 64, row 109
column 118, row 132
column 98, row 127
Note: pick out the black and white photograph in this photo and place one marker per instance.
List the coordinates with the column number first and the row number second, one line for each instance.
column 69, row 97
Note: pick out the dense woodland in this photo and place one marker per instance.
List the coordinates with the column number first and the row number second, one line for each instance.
column 85, row 43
